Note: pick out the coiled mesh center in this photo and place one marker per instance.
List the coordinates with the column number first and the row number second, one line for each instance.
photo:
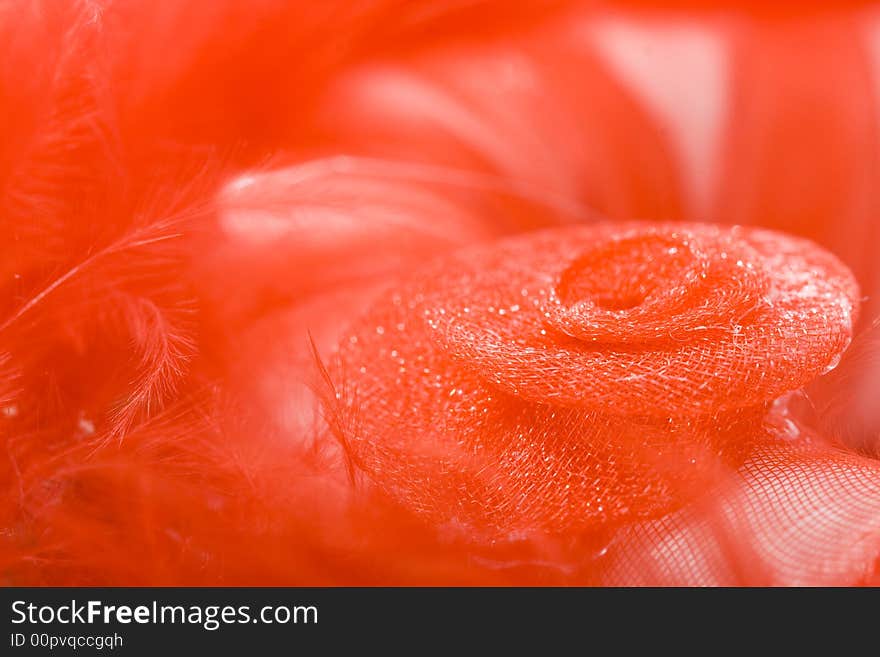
column 580, row 378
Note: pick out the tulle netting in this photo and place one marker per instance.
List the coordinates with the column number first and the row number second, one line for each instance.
column 581, row 378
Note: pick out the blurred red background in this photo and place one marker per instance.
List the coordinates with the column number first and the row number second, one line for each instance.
column 197, row 198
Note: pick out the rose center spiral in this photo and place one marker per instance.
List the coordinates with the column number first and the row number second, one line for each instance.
column 623, row 274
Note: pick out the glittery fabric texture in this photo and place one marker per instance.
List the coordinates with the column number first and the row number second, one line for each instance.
column 577, row 379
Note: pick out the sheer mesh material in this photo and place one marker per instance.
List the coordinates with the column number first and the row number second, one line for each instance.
column 794, row 515
column 583, row 378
